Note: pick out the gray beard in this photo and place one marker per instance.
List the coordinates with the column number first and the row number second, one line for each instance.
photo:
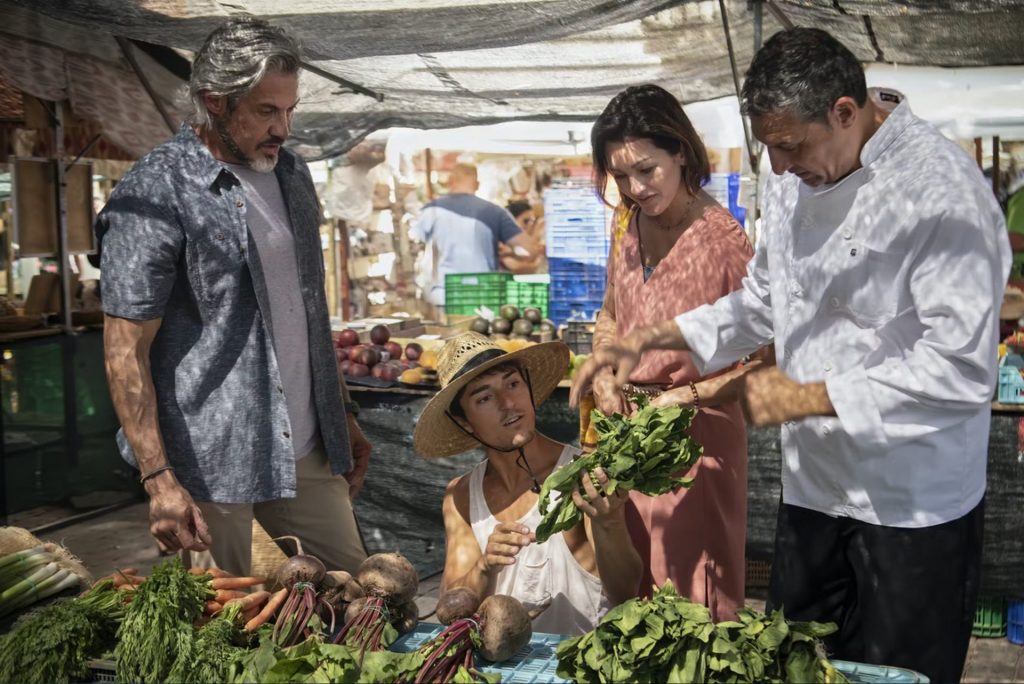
column 259, row 165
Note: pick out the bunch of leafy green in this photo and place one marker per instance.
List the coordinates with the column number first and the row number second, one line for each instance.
column 56, row 642
column 670, row 638
column 219, row 643
column 643, row 452
column 309, row 661
column 157, row 628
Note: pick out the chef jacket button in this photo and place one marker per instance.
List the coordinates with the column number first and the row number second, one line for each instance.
column 828, row 366
column 834, row 302
column 847, row 233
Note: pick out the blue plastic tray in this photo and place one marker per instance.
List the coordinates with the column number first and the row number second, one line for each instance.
column 862, row 673
column 534, row 663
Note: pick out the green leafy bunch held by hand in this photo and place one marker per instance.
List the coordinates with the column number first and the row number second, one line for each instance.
column 645, row 452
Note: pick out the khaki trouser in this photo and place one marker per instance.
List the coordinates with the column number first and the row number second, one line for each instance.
column 320, row 516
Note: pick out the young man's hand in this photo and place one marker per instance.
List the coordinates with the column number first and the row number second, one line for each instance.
column 504, row 544
column 602, row 508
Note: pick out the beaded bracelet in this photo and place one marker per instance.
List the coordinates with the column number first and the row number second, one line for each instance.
column 696, row 397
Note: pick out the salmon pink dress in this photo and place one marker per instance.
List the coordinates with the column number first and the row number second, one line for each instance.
column 696, row 537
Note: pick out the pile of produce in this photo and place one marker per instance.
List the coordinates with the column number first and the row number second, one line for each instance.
column 31, row 575
column 515, row 325
column 668, row 638
column 373, row 621
column 381, row 358
column 56, row 642
column 495, row 629
column 641, row 453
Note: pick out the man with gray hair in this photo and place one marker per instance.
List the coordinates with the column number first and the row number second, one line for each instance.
column 217, row 338
column 878, row 276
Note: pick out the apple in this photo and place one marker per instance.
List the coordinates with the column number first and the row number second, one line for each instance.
column 348, row 338
column 380, row 334
column 394, row 350
column 358, row 370
column 368, row 356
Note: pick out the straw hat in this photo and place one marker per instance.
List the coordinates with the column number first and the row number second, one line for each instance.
column 464, row 358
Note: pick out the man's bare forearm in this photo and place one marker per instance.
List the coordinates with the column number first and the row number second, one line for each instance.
column 126, row 350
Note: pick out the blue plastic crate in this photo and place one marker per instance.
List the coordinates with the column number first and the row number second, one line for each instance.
column 534, row 663
column 1011, row 385
column 566, row 269
column 862, row 673
column 563, row 312
column 580, row 288
column 1015, row 622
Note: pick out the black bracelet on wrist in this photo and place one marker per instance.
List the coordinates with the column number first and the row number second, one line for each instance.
column 352, row 408
column 154, row 472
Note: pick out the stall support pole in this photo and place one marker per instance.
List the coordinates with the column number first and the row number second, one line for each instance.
column 341, row 268
column 979, row 155
column 430, row 173
column 69, row 341
column 995, row 165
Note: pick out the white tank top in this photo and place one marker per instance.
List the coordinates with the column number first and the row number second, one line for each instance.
column 543, row 573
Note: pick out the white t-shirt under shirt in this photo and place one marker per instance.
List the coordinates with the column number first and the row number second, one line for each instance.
column 270, row 227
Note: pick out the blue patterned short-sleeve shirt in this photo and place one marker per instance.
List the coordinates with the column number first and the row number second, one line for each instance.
column 175, row 246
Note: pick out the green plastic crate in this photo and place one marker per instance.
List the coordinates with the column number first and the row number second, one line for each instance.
column 465, row 292
column 526, row 293
column 990, row 617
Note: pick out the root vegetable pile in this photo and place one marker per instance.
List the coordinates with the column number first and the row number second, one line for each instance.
column 157, row 628
column 642, row 453
column 494, row 629
column 389, row 583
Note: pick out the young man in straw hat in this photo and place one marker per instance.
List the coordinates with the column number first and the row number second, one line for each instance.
column 489, row 397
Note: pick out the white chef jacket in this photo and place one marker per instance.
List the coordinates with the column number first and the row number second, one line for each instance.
column 885, row 286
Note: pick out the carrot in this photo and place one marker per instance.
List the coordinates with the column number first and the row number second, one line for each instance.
column 121, row 579
column 213, row 607
column 255, row 599
column 225, row 595
column 216, row 573
column 235, row 582
column 275, row 602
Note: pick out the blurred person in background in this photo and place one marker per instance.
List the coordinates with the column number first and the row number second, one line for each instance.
column 526, row 218
column 463, row 233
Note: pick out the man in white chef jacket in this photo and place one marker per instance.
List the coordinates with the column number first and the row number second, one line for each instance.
column 878, row 278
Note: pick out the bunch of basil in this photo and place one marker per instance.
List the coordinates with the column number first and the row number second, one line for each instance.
column 668, row 638
column 643, row 453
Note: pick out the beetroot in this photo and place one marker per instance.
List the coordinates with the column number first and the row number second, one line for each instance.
column 389, row 576
column 389, row 582
column 496, row 631
column 457, row 603
column 504, row 627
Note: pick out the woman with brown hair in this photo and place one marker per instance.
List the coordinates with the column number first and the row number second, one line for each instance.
column 674, row 249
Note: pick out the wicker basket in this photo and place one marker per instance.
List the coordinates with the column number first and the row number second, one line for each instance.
column 266, row 554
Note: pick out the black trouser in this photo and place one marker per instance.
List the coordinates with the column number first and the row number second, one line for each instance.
column 901, row 597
